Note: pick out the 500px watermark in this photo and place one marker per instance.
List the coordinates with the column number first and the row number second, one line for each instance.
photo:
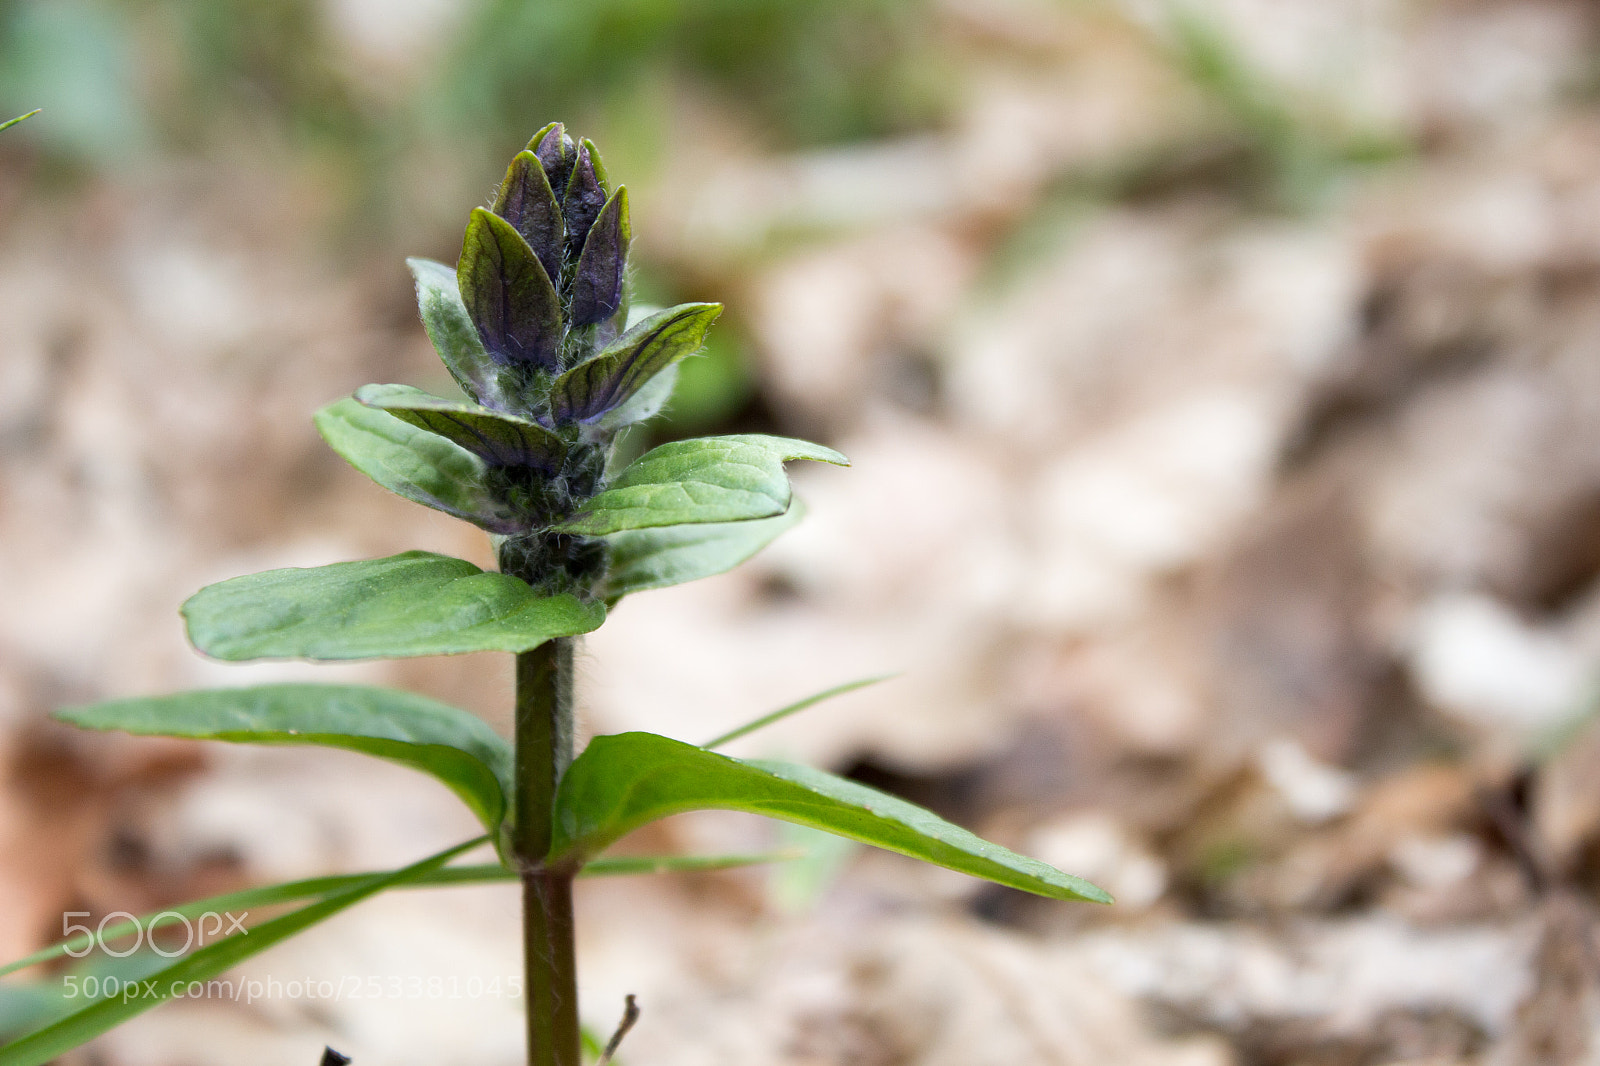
column 119, row 926
column 256, row 989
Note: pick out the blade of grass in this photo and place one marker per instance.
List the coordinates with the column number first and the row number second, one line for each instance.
column 13, row 121
column 667, row 864
column 40, row 1047
column 316, row 887
column 794, row 708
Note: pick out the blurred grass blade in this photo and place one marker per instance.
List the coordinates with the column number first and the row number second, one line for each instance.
column 8, row 123
column 454, row 746
column 83, row 1025
column 794, row 708
column 249, row 898
column 626, row 865
column 316, row 887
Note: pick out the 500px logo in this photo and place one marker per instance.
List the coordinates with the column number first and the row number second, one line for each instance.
column 121, row 925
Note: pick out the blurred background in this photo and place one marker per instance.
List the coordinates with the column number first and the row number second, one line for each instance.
column 1223, row 385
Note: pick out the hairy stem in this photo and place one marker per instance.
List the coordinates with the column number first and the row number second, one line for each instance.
column 544, row 749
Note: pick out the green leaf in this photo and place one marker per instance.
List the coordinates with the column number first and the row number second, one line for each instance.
column 497, row 439
column 708, row 479
column 794, row 708
column 526, row 200
column 597, row 282
column 8, row 123
column 414, row 603
column 85, row 1024
column 420, row 465
column 592, row 388
column 456, row 747
column 672, row 555
column 454, row 336
column 625, row 781
column 507, row 293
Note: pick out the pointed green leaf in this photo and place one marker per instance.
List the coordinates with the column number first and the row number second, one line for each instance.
column 708, row 479
column 8, row 123
column 672, row 555
column 625, row 781
column 597, row 284
column 454, row 336
column 607, row 381
column 507, row 293
column 526, row 200
column 415, row 603
column 498, row 439
column 453, row 745
column 103, row 1014
column 415, row 463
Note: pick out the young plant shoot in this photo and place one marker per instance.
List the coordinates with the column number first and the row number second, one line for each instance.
column 534, row 325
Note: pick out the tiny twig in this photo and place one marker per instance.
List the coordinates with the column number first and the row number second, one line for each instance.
column 630, row 1014
column 331, row 1057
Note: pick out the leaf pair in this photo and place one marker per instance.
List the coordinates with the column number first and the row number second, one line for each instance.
column 708, row 479
column 616, row 785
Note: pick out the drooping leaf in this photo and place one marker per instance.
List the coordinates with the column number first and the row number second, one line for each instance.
column 8, row 123
column 794, row 708
column 414, row 603
column 507, row 293
column 607, row 381
column 415, row 463
column 498, row 439
column 597, row 285
column 585, row 195
column 97, row 1017
column 556, row 153
column 673, row 555
column 454, row 336
column 707, row 479
column 456, row 747
column 526, row 200
column 624, row 781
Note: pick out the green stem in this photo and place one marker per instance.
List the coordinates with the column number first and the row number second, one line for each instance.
column 543, row 752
